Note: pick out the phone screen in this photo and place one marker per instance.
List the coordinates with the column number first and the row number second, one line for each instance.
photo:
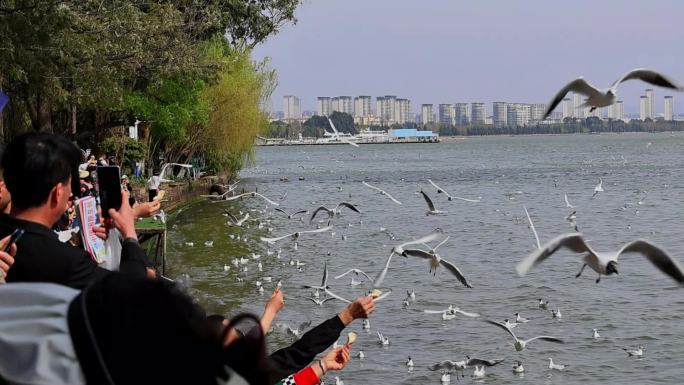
column 109, row 181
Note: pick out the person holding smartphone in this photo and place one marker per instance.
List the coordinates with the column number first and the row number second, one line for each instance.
column 39, row 169
column 6, row 257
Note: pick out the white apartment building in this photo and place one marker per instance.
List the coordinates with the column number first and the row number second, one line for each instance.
column 323, row 106
column 651, row 103
column 537, row 112
column 616, row 111
column 292, row 107
column 446, row 114
column 384, row 108
column 362, row 105
column 577, row 101
column 500, row 114
column 402, row 111
column 669, row 108
column 644, row 108
column 462, row 112
column 566, row 108
column 343, row 104
column 426, row 114
column 478, row 113
column 518, row 114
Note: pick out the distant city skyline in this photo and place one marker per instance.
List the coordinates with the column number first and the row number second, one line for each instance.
column 447, row 52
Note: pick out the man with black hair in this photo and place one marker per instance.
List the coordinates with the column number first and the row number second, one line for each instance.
column 39, row 171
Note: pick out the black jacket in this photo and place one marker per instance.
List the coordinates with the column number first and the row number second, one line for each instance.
column 41, row 257
column 297, row 356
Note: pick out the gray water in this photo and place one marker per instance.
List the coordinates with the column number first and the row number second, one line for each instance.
column 641, row 306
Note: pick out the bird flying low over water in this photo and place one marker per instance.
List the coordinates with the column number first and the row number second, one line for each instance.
column 335, row 210
column 431, row 206
column 399, row 249
column 436, row 260
column 233, row 219
column 597, row 98
column 449, row 366
column 520, row 344
column 292, row 215
column 604, row 263
column 449, row 196
column 381, row 191
column 356, row 272
column 296, row 235
column 250, row 194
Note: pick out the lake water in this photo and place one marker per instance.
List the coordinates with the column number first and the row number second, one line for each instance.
column 641, row 306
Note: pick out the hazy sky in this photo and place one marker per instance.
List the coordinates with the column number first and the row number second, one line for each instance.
column 447, row 51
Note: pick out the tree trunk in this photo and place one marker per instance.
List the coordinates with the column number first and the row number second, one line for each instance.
column 73, row 122
column 40, row 114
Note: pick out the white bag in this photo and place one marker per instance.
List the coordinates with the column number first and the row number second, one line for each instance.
column 112, row 259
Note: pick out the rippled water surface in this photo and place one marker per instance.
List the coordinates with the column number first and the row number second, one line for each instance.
column 641, row 306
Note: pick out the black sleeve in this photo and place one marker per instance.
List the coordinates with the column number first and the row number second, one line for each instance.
column 297, row 356
column 83, row 270
column 133, row 258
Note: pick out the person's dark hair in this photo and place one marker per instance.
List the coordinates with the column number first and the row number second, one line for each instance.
column 34, row 163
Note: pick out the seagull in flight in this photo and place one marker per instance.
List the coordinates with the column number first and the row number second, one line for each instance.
column 336, row 135
column 292, row 215
column 567, row 203
column 324, row 280
column 449, row 366
column 534, row 231
column 603, row 263
column 520, row 344
column 249, row 194
column 605, row 97
column 334, row 211
column 297, row 332
column 399, row 249
column 320, row 302
column 598, row 188
column 452, row 310
column 356, row 272
column 449, row 196
column 296, row 235
column 436, row 260
column 233, row 219
column 229, row 189
column 382, row 192
column 431, row 206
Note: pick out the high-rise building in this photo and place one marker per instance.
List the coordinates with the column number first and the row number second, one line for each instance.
column 566, row 108
column 426, row 114
column 518, row 114
column 292, row 107
column 478, row 113
column 651, row 103
column 616, row 111
column 669, row 108
column 537, row 112
column 323, row 106
column 644, row 108
column 362, row 106
column 462, row 112
column 343, row 104
column 384, row 108
column 402, row 111
column 577, row 101
column 446, row 114
column 500, row 114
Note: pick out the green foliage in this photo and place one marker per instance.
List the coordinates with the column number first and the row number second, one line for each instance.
column 127, row 151
column 316, row 125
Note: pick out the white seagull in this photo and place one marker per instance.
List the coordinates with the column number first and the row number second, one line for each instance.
column 520, row 344
column 449, row 366
column 605, row 97
column 435, row 261
column 518, row 367
column 324, row 280
column 296, row 235
column 598, row 188
column 603, row 263
column 638, row 352
column 479, row 372
column 555, row 366
column 382, row 192
column 334, row 211
column 292, row 215
column 431, row 206
column 356, row 272
column 234, row 220
column 450, row 197
column 320, row 302
column 595, row 334
column 252, row 195
column 384, row 341
column 567, row 203
column 534, row 231
column 519, row 319
column 336, row 135
column 452, row 310
column 399, row 249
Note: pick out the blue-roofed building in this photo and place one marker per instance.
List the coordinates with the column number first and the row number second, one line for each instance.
column 412, row 135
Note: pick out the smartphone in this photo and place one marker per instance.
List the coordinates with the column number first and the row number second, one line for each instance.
column 14, row 238
column 109, row 181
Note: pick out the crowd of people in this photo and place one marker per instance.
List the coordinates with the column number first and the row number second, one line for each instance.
column 64, row 319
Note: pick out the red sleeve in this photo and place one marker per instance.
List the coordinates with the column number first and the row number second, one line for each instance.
column 306, row 376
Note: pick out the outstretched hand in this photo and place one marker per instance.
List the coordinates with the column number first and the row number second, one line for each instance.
column 362, row 307
column 276, row 302
column 336, row 359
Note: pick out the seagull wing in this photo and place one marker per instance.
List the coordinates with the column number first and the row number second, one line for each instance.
column 272, row 240
column 567, row 203
column 435, row 311
column 502, row 326
column 465, row 313
column 232, row 217
column 314, row 300
column 324, row 281
column 572, row 241
column 441, row 243
column 650, row 77
column 479, row 361
column 579, row 86
column 330, row 293
column 448, row 365
column 417, row 253
column 371, row 186
column 321, row 208
column 300, row 212
column 321, row 230
column 466, row 199
column 381, row 276
column 657, row 256
column 456, row 272
column 536, row 236
column 345, row 273
column 431, row 206
column 267, row 200
column 364, row 274
column 437, row 187
column 228, row 199
column 349, row 206
column 546, row 338
column 282, row 211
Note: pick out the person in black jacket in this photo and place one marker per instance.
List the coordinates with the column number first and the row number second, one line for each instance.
column 39, row 169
